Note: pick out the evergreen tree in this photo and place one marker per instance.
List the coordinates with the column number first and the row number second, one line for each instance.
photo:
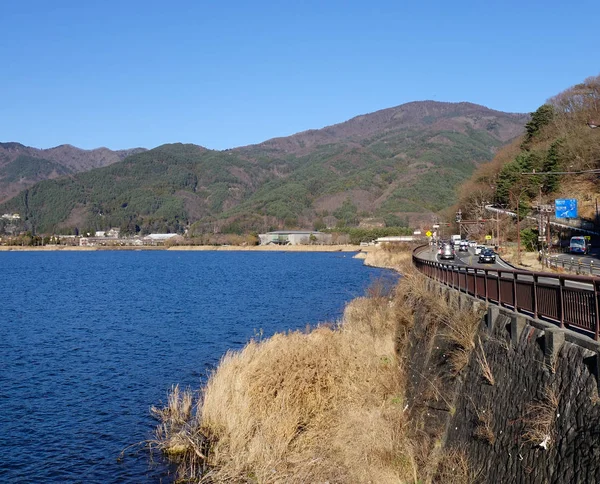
column 552, row 164
column 542, row 117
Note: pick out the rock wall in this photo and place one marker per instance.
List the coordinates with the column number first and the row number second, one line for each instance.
column 525, row 409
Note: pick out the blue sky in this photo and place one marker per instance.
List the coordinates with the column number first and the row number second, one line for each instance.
column 223, row 74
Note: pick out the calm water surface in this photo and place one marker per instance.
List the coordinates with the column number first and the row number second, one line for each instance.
column 90, row 340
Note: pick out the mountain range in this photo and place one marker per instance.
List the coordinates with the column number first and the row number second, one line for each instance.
column 22, row 166
column 384, row 167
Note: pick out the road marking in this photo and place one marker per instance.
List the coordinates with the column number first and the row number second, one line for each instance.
column 501, row 263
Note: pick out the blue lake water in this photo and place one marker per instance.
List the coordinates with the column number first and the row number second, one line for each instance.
column 90, row 340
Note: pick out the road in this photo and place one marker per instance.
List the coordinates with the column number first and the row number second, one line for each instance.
column 469, row 259
column 465, row 259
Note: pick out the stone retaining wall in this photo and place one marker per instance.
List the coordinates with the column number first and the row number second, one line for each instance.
column 538, row 420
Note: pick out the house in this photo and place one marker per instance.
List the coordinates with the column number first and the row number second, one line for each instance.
column 294, row 237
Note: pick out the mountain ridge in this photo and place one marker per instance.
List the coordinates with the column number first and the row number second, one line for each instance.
column 400, row 162
column 22, row 166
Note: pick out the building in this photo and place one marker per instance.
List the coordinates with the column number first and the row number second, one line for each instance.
column 157, row 239
column 397, row 239
column 294, row 237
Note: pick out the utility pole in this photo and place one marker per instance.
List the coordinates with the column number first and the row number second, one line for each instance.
column 498, row 230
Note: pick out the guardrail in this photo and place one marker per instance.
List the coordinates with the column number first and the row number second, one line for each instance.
column 574, row 265
column 565, row 300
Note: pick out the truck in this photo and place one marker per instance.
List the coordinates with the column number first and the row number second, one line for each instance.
column 455, row 239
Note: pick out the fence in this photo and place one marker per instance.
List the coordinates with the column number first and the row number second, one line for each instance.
column 565, row 300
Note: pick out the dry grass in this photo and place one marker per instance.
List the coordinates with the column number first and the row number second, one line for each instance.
column 486, row 370
column 461, row 328
column 399, row 258
column 540, row 418
column 322, row 406
column 484, row 428
column 454, row 468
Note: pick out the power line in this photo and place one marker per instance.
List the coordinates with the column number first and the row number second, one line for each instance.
column 560, row 172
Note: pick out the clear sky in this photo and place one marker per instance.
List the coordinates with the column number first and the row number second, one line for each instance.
column 224, row 73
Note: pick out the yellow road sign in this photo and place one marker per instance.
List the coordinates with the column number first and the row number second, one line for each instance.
column 488, row 237
column 428, row 233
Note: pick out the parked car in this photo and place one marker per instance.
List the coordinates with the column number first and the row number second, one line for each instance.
column 487, row 255
column 478, row 249
column 446, row 252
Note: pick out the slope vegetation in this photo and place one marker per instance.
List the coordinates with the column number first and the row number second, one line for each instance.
column 561, row 145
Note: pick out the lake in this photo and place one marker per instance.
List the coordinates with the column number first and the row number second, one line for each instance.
column 89, row 341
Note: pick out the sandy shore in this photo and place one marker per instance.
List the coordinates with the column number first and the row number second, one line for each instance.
column 261, row 248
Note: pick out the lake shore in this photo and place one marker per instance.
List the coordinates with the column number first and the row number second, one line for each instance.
column 329, row 401
column 249, row 248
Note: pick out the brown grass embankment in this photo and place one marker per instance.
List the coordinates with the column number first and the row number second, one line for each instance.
column 324, row 405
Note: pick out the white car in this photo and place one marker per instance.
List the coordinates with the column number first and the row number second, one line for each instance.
column 478, row 249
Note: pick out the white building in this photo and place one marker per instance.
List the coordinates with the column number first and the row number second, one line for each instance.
column 295, row 237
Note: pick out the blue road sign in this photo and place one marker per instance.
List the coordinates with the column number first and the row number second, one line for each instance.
column 566, row 207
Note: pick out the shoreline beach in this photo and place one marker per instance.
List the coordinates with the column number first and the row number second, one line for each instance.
column 261, row 248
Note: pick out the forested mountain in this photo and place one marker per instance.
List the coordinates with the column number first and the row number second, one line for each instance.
column 22, row 166
column 385, row 166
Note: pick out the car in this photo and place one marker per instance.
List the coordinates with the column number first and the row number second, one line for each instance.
column 478, row 249
column 446, row 252
column 472, row 243
column 487, row 255
column 463, row 246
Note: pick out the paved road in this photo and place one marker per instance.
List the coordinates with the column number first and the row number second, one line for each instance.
column 464, row 259
column 469, row 259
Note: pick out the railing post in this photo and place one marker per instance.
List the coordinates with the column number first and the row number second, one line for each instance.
column 515, row 292
column 499, row 275
column 596, row 318
column 485, row 284
column 561, row 303
column 535, row 302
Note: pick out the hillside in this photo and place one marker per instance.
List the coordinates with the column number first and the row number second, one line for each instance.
column 389, row 165
column 560, row 137
column 22, row 166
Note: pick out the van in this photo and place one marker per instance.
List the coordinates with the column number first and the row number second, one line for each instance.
column 578, row 245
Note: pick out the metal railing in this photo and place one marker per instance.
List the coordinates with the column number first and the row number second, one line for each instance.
column 565, row 300
column 573, row 265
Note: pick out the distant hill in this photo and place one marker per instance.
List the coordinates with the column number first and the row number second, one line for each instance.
column 22, row 166
column 382, row 167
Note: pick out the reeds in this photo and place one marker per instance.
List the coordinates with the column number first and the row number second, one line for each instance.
column 178, row 434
